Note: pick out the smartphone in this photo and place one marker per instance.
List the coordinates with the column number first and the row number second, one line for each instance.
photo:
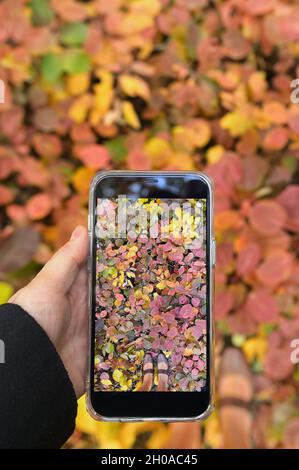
column 151, row 260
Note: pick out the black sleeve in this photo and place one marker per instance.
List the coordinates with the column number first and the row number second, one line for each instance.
column 37, row 401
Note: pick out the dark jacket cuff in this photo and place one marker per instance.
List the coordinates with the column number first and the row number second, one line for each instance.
column 37, row 401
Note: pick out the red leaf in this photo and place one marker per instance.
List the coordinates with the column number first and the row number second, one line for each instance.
column 248, row 258
column 224, row 302
column 267, row 217
column 278, row 365
column 275, row 269
column 256, row 7
column 47, row 146
column 6, row 195
column 138, row 160
column 262, row 306
column 288, row 199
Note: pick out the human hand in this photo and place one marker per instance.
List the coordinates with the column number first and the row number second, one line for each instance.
column 57, row 299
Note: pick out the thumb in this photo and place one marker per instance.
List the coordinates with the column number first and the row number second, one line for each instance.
column 62, row 269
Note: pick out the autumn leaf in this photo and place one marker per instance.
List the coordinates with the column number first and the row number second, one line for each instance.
column 73, row 34
column 237, row 122
column 76, row 61
column 248, row 258
column 77, row 84
column 262, row 306
column 130, row 115
column 103, row 95
column 6, row 291
column 42, row 12
column 39, row 206
column 276, row 139
column 134, row 86
column 276, row 268
column 117, row 375
column 94, row 156
column 267, row 217
column 79, row 109
column 52, row 67
column 81, row 179
column 18, row 250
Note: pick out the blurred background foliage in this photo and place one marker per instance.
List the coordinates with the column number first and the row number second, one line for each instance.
column 164, row 84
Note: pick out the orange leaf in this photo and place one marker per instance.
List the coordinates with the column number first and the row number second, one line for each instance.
column 81, row 180
column 227, row 220
column 94, row 156
column 276, row 139
column 39, row 206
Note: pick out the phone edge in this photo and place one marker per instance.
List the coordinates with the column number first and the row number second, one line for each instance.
column 101, row 175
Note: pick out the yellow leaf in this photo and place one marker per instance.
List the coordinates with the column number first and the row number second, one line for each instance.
column 117, row 375
column 77, row 84
column 130, row 115
column 80, row 107
column 84, row 421
column 237, row 122
column 107, row 435
column 131, row 275
column 151, row 8
column 6, row 291
column 103, row 96
column 214, row 154
column 106, row 382
column 81, row 179
column 134, row 86
column 159, row 151
column 213, row 435
column 181, row 161
column 255, row 348
column 201, row 132
column 188, row 352
column 159, row 437
column 160, row 285
column 183, row 138
column 134, row 22
column 196, row 134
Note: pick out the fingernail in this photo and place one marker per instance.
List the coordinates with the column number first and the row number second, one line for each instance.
column 77, row 232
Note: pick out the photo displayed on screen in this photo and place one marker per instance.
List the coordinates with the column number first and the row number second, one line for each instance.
column 150, row 305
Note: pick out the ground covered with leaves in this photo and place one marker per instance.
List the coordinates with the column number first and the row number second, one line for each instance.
column 160, row 84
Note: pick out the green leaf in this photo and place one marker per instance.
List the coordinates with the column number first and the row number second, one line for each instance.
column 52, row 67
column 6, row 291
column 42, row 12
column 290, row 163
column 76, row 61
column 117, row 149
column 109, row 348
column 73, row 34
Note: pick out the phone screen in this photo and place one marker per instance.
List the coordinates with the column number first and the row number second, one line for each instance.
column 150, row 295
